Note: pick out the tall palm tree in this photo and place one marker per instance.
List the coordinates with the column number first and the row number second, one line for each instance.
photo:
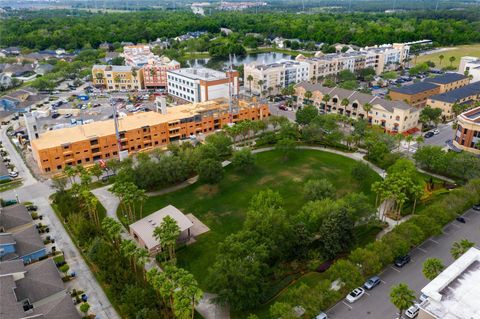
column 250, row 79
column 367, row 107
column 402, row 297
column 167, row 235
column 308, row 95
column 452, row 59
column 260, row 84
column 440, row 58
column 326, row 98
column 112, row 230
column 141, row 257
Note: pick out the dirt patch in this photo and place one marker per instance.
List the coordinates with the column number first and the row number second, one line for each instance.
column 265, row 180
column 206, row 191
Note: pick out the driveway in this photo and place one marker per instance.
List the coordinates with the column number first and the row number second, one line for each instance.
column 375, row 304
column 446, row 133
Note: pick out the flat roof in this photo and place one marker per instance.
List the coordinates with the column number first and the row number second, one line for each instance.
column 415, row 88
column 455, row 292
column 113, row 68
column 145, row 226
column 472, row 115
column 204, row 74
column 454, row 96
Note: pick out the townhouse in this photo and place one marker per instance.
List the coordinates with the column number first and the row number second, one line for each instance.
column 117, row 77
column 467, row 135
column 85, row 144
column 392, row 116
column 466, row 96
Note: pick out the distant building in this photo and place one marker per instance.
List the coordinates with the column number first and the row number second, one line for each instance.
column 465, row 95
column 417, row 94
column 142, row 230
column 467, row 136
column 137, row 55
column 454, row 292
column 117, row 77
column 471, row 66
column 21, row 100
column 392, row 116
column 201, row 84
column 155, row 72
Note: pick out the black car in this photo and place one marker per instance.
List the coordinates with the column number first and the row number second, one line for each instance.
column 428, row 134
column 32, row 208
column 460, row 219
column 55, row 115
column 476, row 207
column 402, row 261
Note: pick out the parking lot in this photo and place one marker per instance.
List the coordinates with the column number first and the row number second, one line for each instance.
column 375, row 304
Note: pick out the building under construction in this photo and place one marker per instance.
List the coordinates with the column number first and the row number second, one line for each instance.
column 85, row 144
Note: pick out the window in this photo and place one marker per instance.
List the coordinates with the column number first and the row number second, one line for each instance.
column 47, row 169
column 59, row 166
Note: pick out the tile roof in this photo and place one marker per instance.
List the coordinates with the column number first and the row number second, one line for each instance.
column 415, row 88
column 446, row 78
column 9, row 307
column 454, row 96
column 27, row 241
column 14, row 216
column 11, row 266
column 58, row 309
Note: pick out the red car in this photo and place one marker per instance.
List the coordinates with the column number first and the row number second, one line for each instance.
column 282, row 107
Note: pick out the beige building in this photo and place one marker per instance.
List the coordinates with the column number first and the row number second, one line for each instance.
column 454, row 293
column 393, row 116
column 465, row 95
column 117, row 77
column 142, row 230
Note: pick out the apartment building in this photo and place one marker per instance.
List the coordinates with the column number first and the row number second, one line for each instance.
column 117, row 77
column 393, row 116
column 467, row 136
column 274, row 76
column 454, row 292
column 417, row 94
column 201, row 84
column 155, row 72
column 137, row 55
column 470, row 65
column 85, row 144
column 465, row 95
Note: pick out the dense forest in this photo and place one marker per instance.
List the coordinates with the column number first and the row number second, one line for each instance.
column 53, row 29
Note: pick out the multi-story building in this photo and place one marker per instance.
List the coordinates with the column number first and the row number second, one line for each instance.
column 117, row 77
column 466, row 95
column 85, row 144
column 137, row 55
column 470, row 65
column 417, row 94
column 155, row 72
column 467, row 136
column 201, row 84
column 393, row 116
column 454, row 292
column 274, row 76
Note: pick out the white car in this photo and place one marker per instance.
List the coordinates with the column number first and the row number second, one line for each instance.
column 356, row 294
column 321, row 315
column 13, row 174
column 412, row 312
column 436, row 132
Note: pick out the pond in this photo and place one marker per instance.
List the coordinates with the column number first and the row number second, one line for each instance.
column 219, row 64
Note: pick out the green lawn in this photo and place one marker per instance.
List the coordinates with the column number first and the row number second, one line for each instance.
column 457, row 52
column 222, row 207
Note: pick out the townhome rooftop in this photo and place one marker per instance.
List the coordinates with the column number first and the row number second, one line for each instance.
column 14, row 216
column 459, row 94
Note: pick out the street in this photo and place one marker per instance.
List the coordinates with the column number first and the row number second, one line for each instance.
column 274, row 110
column 446, row 133
column 375, row 304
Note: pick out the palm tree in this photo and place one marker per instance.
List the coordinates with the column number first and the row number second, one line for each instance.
column 128, row 250
column 250, row 79
column 112, row 230
column 260, row 84
column 270, row 89
column 432, row 267
column 308, row 95
column 452, row 59
column 417, row 192
column 70, row 172
column 402, row 297
column 409, row 140
column 326, row 99
column 440, row 58
column 345, row 102
column 367, row 107
column 460, row 247
column 167, row 235
column 141, row 256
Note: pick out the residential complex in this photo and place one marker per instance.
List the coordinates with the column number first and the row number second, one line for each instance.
column 274, row 76
column 137, row 55
column 21, row 100
column 85, row 144
column 470, row 65
column 393, row 116
column 155, row 72
column 201, row 84
column 117, row 77
column 467, row 136
column 466, row 95
column 454, row 292
column 417, row 94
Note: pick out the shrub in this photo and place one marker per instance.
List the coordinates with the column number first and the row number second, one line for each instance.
column 210, row 171
column 318, row 189
column 243, row 160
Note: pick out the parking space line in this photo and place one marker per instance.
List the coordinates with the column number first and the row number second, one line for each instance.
column 456, row 225
column 383, row 282
column 367, row 293
column 395, row 269
column 346, row 304
column 421, row 249
column 436, row 242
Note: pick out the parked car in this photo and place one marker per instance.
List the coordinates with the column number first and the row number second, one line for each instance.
column 412, row 312
column 32, row 208
column 402, row 261
column 356, row 294
column 13, row 174
column 55, row 115
column 96, row 105
column 321, row 315
column 423, row 297
column 428, row 134
column 282, row 107
column 372, row 282
column 68, row 115
column 476, row 207
column 9, row 202
column 460, row 219
column 436, row 131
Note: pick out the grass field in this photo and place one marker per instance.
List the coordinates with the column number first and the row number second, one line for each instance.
column 222, row 207
column 457, row 52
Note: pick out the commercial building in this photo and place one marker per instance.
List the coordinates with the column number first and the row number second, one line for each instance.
column 455, row 292
column 137, row 55
column 85, row 144
column 202, row 84
column 470, row 65
column 417, row 94
column 465, row 95
column 142, row 230
column 393, row 116
column 467, row 136
column 274, row 76
column 155, row 72
column 117, row 77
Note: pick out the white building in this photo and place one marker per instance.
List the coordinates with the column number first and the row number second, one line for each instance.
column 201, row 84
column 471, row 65
column 455, row 292
column 137, row 55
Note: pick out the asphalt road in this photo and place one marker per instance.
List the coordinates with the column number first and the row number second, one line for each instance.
column 375, row 304
column 274, row 110
column 446, row 133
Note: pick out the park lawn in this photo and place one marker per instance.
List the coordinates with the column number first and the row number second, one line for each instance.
column 222, row 207
column 457, row 52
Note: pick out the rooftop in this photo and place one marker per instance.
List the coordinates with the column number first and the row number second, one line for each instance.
column 455, row 292
column 415, row 88
column 446, row 78
column 456, row 95
column 11, row 267
column 280, row 64
column 14, row 216
column 144, row 227
column 9, row 307
column 204, row 74
column 113, row 68
column 472, row 115
column 26, row 241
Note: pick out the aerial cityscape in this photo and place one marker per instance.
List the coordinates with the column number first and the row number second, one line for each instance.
column 277, row 159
